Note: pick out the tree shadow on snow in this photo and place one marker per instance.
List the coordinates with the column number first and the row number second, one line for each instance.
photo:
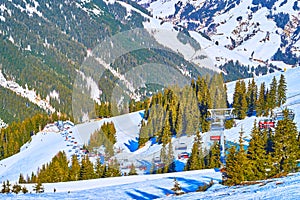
column 147, row 195
column 165, row 191
column 192, row 184
column 144, row 195
column 214, row 179
column 134, row 196
column 133, row 145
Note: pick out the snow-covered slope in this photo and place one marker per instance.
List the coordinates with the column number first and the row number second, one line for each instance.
column 44, row 145
column 47, row 143
column 252, row 30
column 293, row 100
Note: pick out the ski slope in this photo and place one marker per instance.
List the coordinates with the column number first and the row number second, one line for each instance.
column 47, row 143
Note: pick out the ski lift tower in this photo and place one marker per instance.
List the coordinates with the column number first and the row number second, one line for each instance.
column 217, row 119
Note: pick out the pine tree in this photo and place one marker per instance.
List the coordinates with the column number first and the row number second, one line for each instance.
column 213, row 158
column 281, row 92
column 243, row 101
column 251, row 97
column 191, row 113
column 21, row 179
column 16, row 189
column 237, row 164
column 242, row 159
column 38, row 187
column 99, row 169
column 170, row 158
column 240, row 100
column 204, row 102
column 164, row 160
column 177, row 188
column 272, row 95
column 86, row 169
column 286, row 147
column 144, row 133
column 24, row 190
column 74, row 174
column 113, row 169
column 231, row 163
column 196, row 160
column 179, row 120
column 257, row 154
column 57, row 168
column 132, row 170
column 217, row 91
column 261, row 101
column 166, row 132
column 6, row 187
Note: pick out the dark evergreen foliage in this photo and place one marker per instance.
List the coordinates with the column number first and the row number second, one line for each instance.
column 38, row 187
column 18, row 133
column 16, row 188
column 177, row 188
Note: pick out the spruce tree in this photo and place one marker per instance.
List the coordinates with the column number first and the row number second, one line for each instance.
column 196, row 160
column 166, row 132
column 281, row 92
column 177, row 188
column 99, row 169
column 191, row 112
column 132, row 170
column 286, row 149
column 16, row 188
column 240, row 100
column 86, row 169
column 213, row 157
column 231, row 170
column 237, row 164
column 204, row 102
column 6, row 187
column 243, row 101
column 24, row 190
column 179, row 120
column 243, row 167
column 272, row 95
column 170, row 157
column 261, row 101
column 217, row 91
column 251, row 97
column 75, row 169
column 21, row 179
column 113, row 169
column 257, row 154
column 164, row 160
column 144, row 133
column 38, row 187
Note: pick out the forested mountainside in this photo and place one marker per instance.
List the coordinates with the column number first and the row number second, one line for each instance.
column 44, row 43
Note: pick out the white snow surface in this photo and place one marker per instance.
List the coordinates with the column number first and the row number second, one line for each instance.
column 254, row 25
column 44, row 145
